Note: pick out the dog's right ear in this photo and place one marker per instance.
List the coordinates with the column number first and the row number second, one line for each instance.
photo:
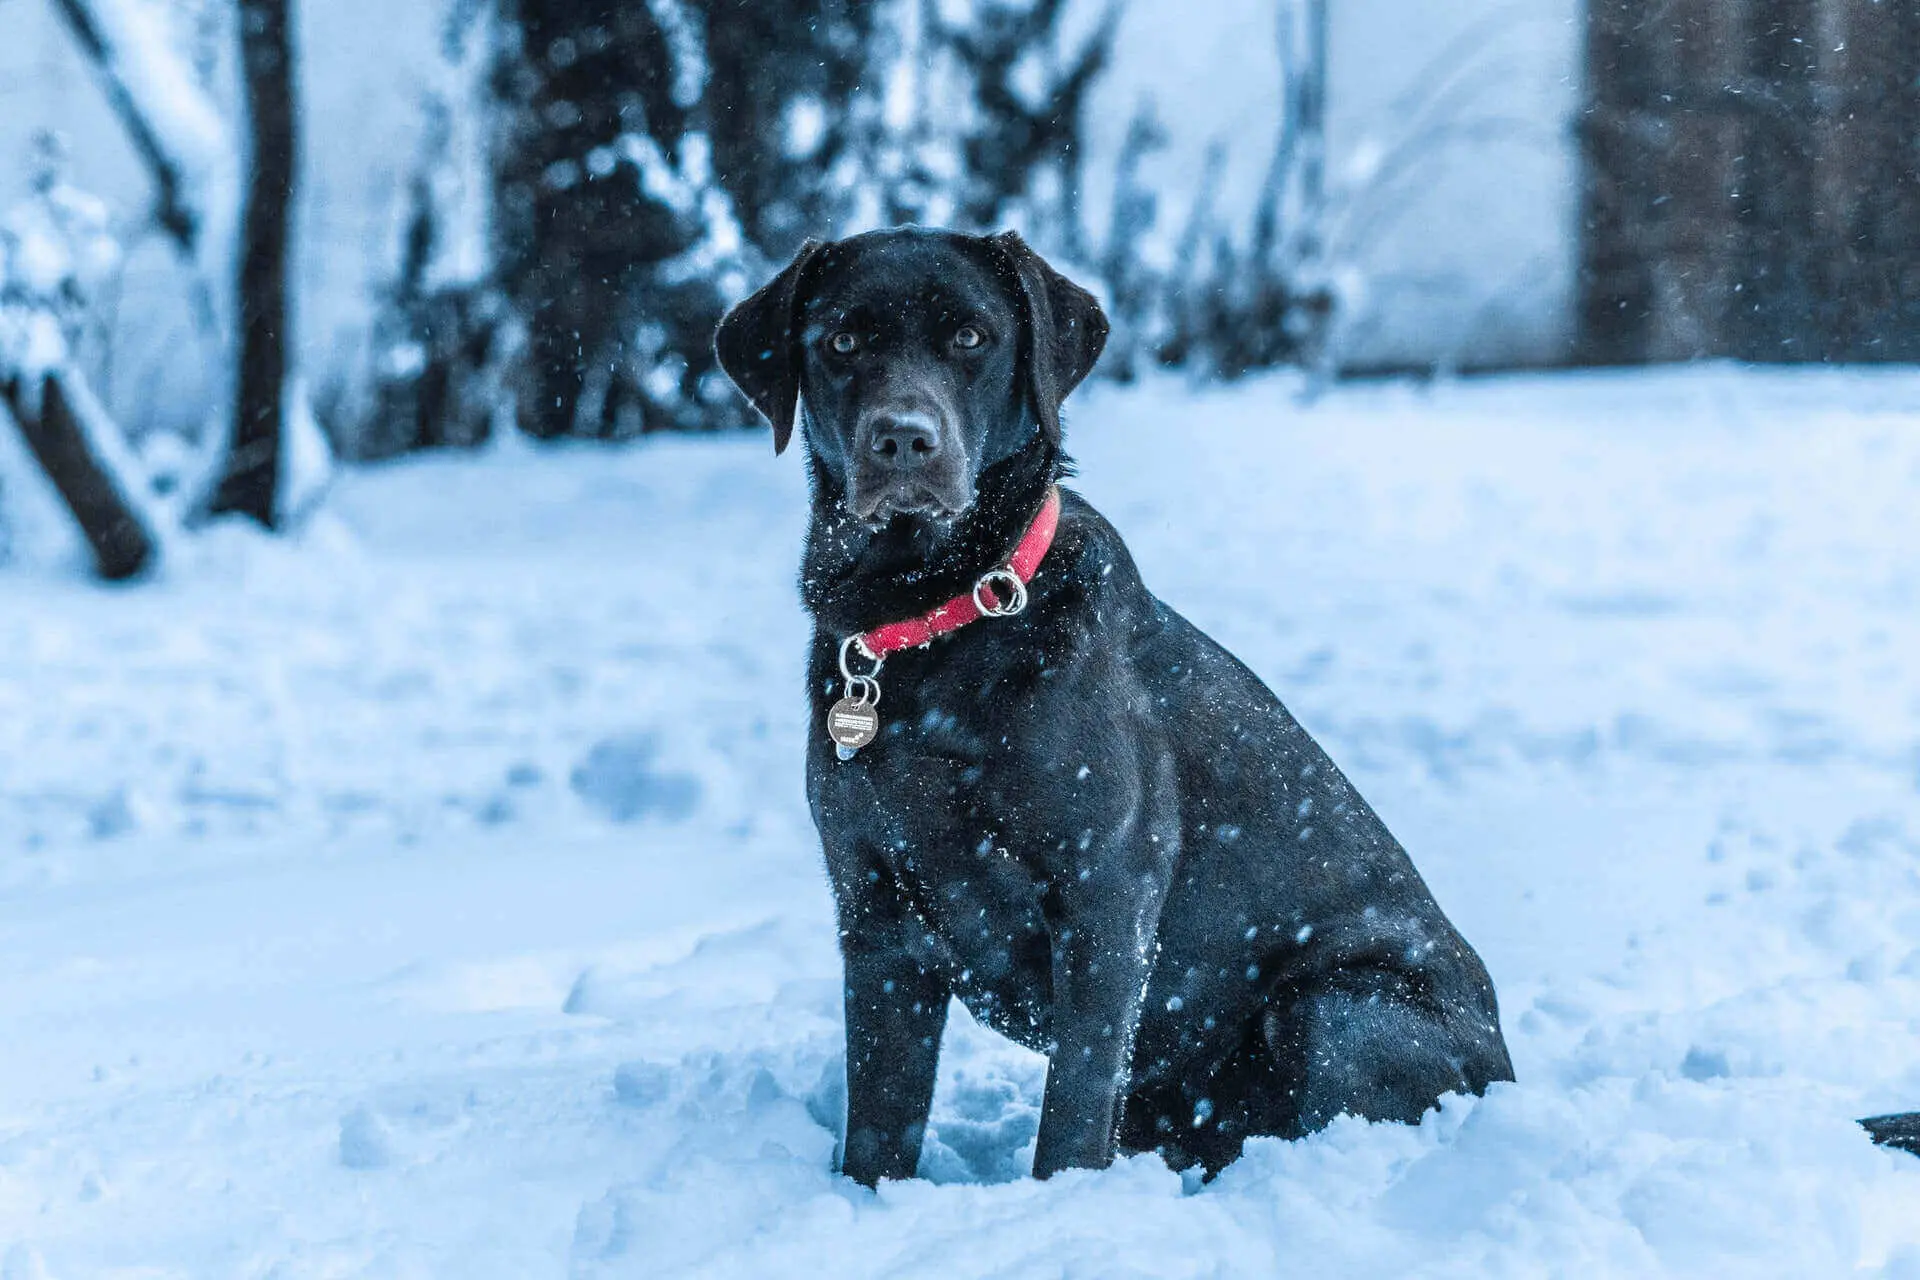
column 758, row 344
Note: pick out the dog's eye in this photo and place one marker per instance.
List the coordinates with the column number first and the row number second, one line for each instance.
column 967, row 337
column 844, row 343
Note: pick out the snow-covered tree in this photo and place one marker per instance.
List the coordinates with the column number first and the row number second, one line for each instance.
column 224, row 204
column 1022, row 131
column 643, row 164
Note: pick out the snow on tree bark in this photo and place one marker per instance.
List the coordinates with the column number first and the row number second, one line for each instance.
column 181, row 136
column 63, row 428
column 163, row 100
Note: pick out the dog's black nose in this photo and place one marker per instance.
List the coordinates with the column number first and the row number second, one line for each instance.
column 905, row 438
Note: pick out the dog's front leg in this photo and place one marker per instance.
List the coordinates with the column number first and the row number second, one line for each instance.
column 896, row 1010
column 1102, row 951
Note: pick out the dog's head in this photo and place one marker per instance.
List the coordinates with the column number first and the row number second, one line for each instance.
column 917, row 359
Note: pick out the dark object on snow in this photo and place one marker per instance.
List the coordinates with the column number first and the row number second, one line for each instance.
column 1089, row 822
column 122, row 545
column 1902, row 1131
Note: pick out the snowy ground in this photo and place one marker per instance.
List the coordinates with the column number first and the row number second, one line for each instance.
column 436, row 898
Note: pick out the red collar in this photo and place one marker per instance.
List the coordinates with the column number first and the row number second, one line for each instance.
column 1000, row 592
column 984, row 601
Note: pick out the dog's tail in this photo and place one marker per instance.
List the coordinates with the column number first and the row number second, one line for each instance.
column 1901, row 1131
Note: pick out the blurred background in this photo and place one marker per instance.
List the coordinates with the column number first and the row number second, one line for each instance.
column 530, row 212
column 527, row 214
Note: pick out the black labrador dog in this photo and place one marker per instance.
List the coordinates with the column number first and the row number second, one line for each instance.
column 1076, row 812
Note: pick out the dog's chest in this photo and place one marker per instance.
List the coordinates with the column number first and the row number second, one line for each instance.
column 965, row 837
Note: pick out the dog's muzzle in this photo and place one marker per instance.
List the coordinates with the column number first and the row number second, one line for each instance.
column 907, row 461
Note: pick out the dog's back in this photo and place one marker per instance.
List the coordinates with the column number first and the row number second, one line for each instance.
column 1296, row 930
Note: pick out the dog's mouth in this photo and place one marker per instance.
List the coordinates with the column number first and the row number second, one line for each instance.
column 878, row 506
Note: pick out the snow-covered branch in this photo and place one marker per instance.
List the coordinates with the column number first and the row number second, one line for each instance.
column 171, row 119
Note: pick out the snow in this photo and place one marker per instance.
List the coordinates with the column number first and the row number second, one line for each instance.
column 434, row 894
column 56, row 256
column 306, row 458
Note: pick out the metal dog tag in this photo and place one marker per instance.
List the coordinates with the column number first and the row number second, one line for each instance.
column 854, row 721
column 852, row 724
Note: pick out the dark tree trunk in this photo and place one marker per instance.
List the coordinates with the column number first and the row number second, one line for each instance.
column 122, row 544
column 250, row 482
column 1750, row 181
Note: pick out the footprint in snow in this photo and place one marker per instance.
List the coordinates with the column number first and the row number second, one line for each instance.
column 621, row 778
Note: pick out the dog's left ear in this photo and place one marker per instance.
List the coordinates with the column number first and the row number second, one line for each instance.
column 1066, row 329
column 758, row 345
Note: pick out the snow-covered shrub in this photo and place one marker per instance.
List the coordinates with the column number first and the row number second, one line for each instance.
column 56, row 251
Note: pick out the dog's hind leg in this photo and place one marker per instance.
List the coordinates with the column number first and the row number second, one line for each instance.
column 1366, row 1042
column 1205, row 1121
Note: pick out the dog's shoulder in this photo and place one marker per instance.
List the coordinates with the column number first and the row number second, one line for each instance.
column 1092, row 558
column 1173, row 660
column 1099, row 570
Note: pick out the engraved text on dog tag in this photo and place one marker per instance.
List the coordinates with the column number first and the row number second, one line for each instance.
column 852, row 724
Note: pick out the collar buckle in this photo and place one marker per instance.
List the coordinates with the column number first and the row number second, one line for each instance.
column 1009, row 593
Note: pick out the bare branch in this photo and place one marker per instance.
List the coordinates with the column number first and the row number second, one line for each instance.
column 171, row 208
